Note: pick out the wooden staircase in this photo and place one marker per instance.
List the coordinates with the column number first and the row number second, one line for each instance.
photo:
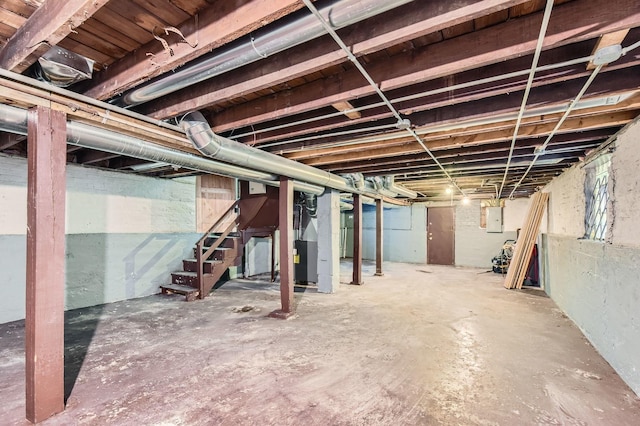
column 223, row 244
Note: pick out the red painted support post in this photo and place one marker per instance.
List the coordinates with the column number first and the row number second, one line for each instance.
column 357, row 240
column 285, row 212
column 44, row 321
column 379, row 237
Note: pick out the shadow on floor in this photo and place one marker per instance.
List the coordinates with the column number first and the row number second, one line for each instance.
column 79, row 329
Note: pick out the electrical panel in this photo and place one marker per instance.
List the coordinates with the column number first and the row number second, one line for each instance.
column 257, row 188
column 494, row 219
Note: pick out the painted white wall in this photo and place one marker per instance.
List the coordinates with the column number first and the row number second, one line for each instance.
column 404, row 234
column 328, row 232
column 474, row 246
column 514, row 213
column 257, row 258
column 596, row 283
column 125, row 234
column 566, row 209
column 101, row 201
column 626, row 195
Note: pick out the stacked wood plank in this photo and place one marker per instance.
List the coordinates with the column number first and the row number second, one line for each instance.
column 524, row 246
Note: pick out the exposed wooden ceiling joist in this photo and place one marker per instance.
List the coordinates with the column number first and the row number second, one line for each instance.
column 47, row 26
column 402, row 24
column 571, row 22
column 221, row 23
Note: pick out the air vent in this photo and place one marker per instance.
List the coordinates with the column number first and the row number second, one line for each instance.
column 62, row 68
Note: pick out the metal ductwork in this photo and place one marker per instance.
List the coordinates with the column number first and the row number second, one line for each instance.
column 62, row 67
column 311, row 204
column 357, row 180
column 261, row 44
column 14, row 120
column 399, row 190
column 215, row 146
column 246, row 162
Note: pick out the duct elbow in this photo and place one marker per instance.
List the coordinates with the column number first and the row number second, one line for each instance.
column 200, row 134
column 399, row 190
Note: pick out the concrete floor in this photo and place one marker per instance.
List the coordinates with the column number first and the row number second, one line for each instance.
column 422, row 345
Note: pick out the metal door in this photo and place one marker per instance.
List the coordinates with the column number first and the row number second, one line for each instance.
column 440, row 236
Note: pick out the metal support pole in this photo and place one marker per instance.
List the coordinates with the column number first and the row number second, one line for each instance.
column 379, row 238
column 285, row 212
column 44, row 323
column 357, row 240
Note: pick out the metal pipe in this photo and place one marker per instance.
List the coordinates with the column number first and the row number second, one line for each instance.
column 525, row 97
column 583, row 104
column 10, row 75
column 212, row 145
column 445, row 89
column 14, row 120
column 328, row 28
column 402, row 191
column 259, row 45
column 558, row 125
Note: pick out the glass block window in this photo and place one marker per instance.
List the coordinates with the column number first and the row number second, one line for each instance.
column 597, row 197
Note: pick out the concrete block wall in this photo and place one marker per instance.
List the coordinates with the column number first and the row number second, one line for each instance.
column 596, row 283
column 474, row 246
column 125, row 234
column 405, row 232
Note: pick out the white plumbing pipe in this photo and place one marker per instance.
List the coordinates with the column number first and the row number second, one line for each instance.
column 525, row 97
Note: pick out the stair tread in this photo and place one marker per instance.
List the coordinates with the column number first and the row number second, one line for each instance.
column 180, row 289
column 231, row 235
column 219, row 248
column 193, row 259
column 188, row 273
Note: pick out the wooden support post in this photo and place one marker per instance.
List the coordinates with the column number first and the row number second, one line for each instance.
column 273, row 256
column 379, row 237
column 44, row 336
column 285, row 213
column 357, row 240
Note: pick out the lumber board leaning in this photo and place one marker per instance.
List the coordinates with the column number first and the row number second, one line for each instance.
column 524, row 246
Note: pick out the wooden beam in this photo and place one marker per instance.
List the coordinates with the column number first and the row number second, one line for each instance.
column 583, row 139
column 44, row 323
column 379, row 237
column 222, row 22
column 451, row 162
column 47, row 26
column 301, row 149
column 605, row 40
column 402, row 24
column 7, row 140
column 443, row 99
column 570, row 23
column 285, row 213
column 412, row 147
column 91, row 157
column 357, row 240
column 23, row 95
column 346, row 108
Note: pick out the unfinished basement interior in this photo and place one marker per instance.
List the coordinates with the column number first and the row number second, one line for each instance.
column 319, row 212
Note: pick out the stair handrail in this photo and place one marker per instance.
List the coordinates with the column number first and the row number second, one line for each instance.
column 200, row 256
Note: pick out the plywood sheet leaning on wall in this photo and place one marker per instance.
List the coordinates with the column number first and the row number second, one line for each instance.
column 214, row 195
column 524, row 246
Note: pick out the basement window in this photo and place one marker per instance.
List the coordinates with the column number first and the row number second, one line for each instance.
column 597, row 198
